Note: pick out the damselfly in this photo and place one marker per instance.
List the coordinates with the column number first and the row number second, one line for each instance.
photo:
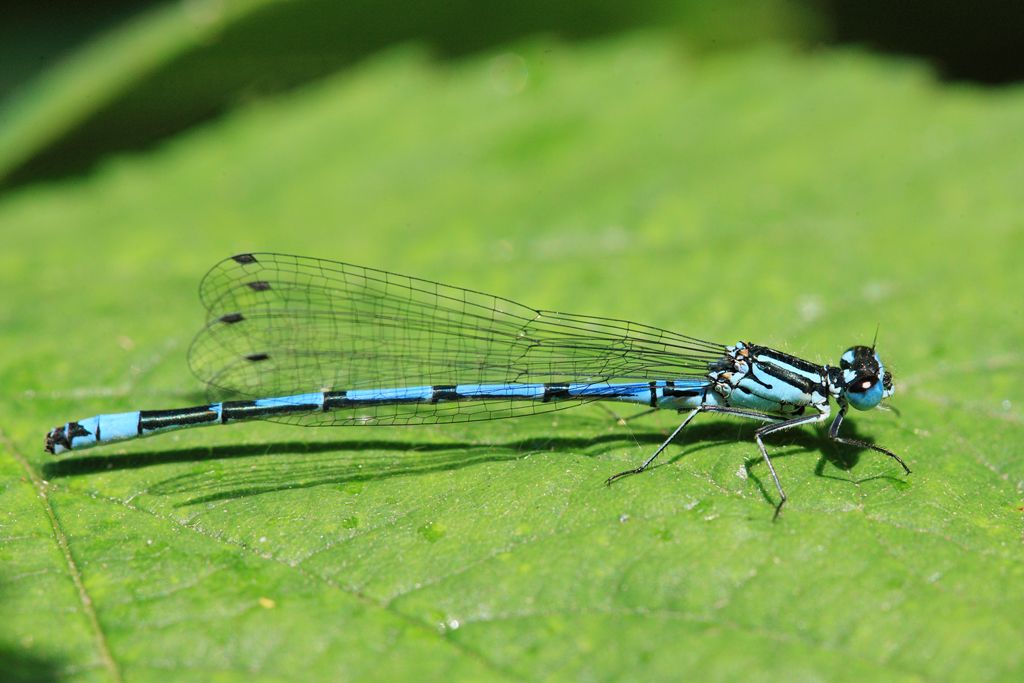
column 315, row 342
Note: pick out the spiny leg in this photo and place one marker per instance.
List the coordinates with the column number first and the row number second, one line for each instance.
column 663, row 446
column 833, row 433
column 763, row 417
column 778, row 427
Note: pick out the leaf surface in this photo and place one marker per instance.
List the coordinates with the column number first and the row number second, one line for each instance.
column 795, row 200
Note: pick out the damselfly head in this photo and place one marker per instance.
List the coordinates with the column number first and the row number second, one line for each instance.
column 865, row 380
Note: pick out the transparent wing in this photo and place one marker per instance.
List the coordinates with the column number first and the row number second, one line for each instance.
column 279, row 325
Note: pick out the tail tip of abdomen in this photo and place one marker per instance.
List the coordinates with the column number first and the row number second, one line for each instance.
column 57, row 440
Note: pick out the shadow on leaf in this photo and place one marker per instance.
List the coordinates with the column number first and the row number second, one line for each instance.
column 343, row 462
column 20, row 667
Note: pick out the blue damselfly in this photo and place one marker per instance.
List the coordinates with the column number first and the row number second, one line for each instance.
column 314, row 342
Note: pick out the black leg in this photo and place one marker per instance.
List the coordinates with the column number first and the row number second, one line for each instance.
column 778, row 427
column 751, row 414
column 833, row 433
column 638, row 470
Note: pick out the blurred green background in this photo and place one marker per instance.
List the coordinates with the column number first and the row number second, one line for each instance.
column 733, row 170
column 83, row 82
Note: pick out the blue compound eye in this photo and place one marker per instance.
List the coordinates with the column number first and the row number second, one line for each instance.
column 865, row 392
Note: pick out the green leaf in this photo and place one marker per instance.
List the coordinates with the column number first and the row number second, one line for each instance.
column 796, row 200
column 179, row 63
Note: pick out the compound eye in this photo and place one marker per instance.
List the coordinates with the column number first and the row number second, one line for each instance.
column 856, row 357
column 864, row 392
column 862, row 384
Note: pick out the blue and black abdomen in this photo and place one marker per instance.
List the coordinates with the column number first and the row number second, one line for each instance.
column 432, row 404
